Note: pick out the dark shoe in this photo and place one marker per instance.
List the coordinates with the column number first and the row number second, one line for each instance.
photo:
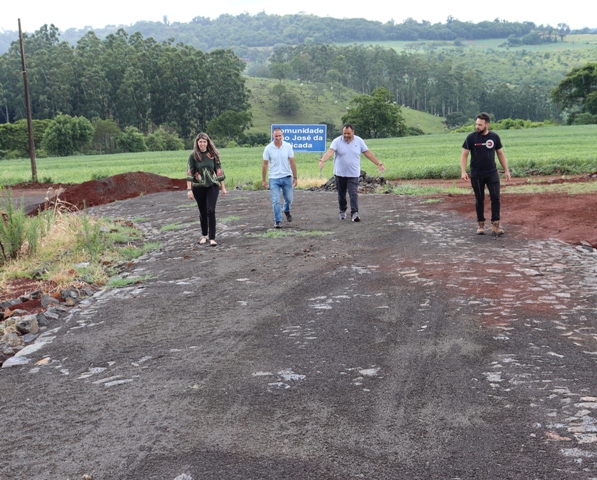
column 355, row 217
column 288, row 216
column 278, row 225
column 342, row 215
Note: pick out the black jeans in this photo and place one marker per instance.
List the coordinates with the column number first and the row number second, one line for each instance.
column 206, row 198
column 352, row 185
column 492, row 180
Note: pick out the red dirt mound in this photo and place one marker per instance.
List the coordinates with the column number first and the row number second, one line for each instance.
column 118, row 187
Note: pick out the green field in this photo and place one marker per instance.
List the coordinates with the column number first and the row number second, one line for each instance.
column 571, row 42
column 550, row 150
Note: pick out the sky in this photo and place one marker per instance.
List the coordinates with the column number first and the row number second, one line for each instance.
column 67, row 14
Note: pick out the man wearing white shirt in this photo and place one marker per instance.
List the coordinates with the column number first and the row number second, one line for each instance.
column 278, row 158
column 347, row 151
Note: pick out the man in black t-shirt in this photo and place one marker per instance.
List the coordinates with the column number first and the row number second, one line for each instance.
column 483, row 144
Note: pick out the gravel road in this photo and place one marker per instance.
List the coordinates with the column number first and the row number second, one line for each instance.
column 400, row 347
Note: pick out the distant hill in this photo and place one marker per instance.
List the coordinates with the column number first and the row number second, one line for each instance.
column 261, row 30
column 319, row 103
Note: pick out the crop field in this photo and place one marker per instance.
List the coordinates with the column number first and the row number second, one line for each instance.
column 541, row 151
column 571, row 42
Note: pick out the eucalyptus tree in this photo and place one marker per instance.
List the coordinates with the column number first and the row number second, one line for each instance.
column 225, row 84
column 357, row 59
column 178, row 91
column 92, row 89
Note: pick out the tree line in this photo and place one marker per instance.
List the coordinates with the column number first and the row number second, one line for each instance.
column 435, row 83
column 65, row 135
column 261, row 29
column 268, row 30
column 132, row 80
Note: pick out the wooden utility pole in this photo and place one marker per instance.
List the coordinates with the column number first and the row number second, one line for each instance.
column 28, row 108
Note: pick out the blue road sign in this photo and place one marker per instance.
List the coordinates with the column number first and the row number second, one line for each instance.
column 304, row 138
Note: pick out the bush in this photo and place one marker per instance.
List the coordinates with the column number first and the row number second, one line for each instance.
column 14, row 137
column 163, row 140
column 507, row 124
column 456, row 119
column 132, row 140
column 413, row 131
column 255, row 139
column 583, row 119
column 67, row 135
column 105, row 136
column 289, row 103
column 15, row 154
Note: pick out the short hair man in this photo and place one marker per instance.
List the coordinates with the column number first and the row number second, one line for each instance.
column 347, row 150
column 483, row 145
column 278, row 157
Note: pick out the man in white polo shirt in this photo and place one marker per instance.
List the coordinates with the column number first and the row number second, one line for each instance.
column 278, row 157
column 347, row 151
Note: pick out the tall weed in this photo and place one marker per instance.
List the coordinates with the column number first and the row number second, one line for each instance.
column 12, row 228
column 90, row 240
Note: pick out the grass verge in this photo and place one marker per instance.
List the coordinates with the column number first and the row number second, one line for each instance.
column 61, row 249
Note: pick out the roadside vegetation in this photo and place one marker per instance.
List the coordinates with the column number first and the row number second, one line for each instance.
column 59, row 248
column 131, row 94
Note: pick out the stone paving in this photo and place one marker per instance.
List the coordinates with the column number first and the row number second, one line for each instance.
column 543, row 291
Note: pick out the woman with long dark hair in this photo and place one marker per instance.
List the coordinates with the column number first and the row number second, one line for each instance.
column 205, row 180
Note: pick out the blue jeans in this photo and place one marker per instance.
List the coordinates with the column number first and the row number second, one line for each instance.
column 275, row 184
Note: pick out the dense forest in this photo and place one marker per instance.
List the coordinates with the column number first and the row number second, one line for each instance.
column 245, row 30
column 133, row 80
